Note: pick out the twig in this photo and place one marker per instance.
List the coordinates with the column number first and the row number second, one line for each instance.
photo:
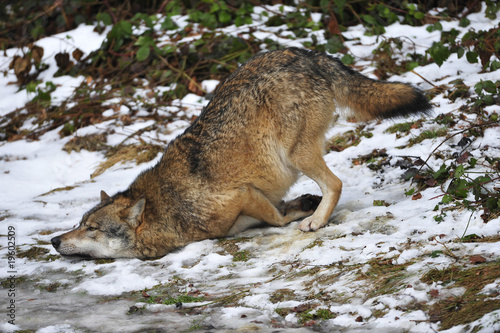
column 423, row 78
column 451, row 136
column 448, row 252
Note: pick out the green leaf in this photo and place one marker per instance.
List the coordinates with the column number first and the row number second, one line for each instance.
column 411, row 8
column 370, row 19
column 492, row 203
column 380, row 203
column 145, row 40
column 347, row 59
column 488, row 99
column 478, row 87
column 459, row 171
column 489, row 86
column 411, row 65
column 438, row 218
column 436, row 254
column 470, row 237
column 419, row 15
column 168, row 24
column 143, row 53
column 105, row 18
column 37, row 31
column 338, row 3
column 439, row 53
column 494, row 65
column 464, row 22
column 224, row 17
column 215, row 7
column 446, row 199
column 121, row 30
column 443, row 170
column 31, row 86
column 434, row 27
column 459, row 188
column 334, row 44
column 242, row 20
column 472, row 57
column 172, row 8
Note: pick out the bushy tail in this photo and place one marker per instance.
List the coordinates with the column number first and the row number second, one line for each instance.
column 371, row 99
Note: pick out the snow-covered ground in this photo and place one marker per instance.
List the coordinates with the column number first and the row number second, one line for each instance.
column 284, row 268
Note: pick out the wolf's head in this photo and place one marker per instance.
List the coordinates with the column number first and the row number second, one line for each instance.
column 106, row 231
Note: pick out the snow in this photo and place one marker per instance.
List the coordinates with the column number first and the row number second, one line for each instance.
column 358, row 232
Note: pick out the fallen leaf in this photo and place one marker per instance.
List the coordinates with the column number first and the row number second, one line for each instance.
column 77, row 54
column 477, row 259
column 37, row 54
column 301, row 308
column 416, row 196
column 434, row 293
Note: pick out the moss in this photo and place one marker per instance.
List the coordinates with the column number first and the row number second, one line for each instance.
column 473, row 238
column 241, row 255
column 348, row 139
column 182, row 299
column 51, row 288
column 104, row 261
column 317, row 242
column 312, row 315
column 134, row 310
column 461, row 311
column 230, row 245
column 385, row 276
column 283, row 312
column 471, row 305
column 34, row 253
column 308, row 271
column 91, row 142
column 6, row 283
column 324, row 314
column 429, row 134
column 403, row 129
column 473, row 279
column 281, row 295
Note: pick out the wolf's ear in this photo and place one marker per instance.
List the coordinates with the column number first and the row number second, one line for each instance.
column 104, row 196
column 133, row 213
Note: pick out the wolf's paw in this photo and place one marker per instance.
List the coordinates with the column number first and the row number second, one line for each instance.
column 304, row 203
column 311, row 224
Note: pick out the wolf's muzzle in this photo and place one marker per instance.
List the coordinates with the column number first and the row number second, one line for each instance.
column 56, row 242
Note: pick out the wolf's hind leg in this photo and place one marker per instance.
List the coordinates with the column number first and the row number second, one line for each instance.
column 300, row 207
column 258, row 206
column 310, row 161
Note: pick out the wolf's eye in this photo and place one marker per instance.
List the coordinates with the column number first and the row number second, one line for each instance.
column 91, row 229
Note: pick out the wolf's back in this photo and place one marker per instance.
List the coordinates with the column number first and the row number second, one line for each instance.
column 367, row 98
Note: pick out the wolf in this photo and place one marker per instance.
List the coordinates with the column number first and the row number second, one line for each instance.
column 229, row 170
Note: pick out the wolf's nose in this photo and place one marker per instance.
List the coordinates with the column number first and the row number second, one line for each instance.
column 56, row 241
